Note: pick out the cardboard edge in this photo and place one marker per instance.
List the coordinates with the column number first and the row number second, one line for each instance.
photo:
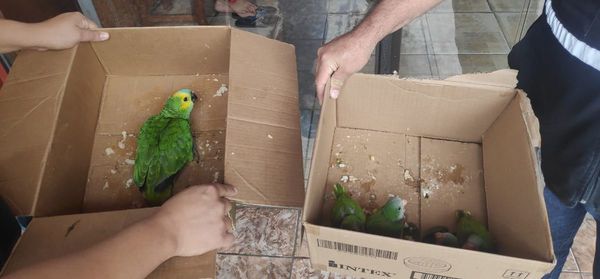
column 48, row 148
column 525, row 107
column 328, row 104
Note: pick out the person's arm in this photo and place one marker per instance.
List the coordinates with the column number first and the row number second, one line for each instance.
column 350, row 52
column 192, row 222
column 60, row 32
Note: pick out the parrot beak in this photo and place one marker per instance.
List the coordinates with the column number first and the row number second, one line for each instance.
column 194, row 97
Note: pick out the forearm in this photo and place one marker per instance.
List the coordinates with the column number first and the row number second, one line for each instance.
column 389, row 16
column 132, row 253
column 16, row 35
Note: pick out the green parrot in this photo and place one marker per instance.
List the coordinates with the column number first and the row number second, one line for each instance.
column 346, row 212
column 164, row 147
column 389, row 219
column 472, row 234
column 441, row 236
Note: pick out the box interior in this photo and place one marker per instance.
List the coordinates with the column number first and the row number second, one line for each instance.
column 442, row 146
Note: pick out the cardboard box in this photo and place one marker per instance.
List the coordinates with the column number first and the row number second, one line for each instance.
column 60, row 111
column 69, row 119
column 51, row 237
column 463, row 143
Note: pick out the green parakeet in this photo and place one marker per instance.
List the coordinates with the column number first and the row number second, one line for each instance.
column 389, row 219
column 346, row 212
column 164, row 147
column 468, row 226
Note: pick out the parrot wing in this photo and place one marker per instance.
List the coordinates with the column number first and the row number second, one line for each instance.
column 176, row 149
column 165, row 145
column 147, row 146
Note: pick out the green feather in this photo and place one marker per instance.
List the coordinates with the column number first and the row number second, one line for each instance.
column 346, row 212
column 164, row 147
column 467, row 226
column 389, row 219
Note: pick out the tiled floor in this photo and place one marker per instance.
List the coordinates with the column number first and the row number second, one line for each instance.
column 458, row 36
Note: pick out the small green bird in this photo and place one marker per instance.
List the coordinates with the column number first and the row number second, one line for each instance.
column 467, row 226
column 164, row 147
column 388, row 220
column 346, row 212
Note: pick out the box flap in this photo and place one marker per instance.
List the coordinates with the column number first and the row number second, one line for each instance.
column 510, row 167
column 29, row 106
column 455, row 111
column 69, row 155
column 263, row 144
column 134, row 51
column 50, row 237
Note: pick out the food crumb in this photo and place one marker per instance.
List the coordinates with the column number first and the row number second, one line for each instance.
column 407, row 176
column 128, row 183
column 130, row 162
column 221, row 91
column 269, row 136
column 113, row 171
column 105, row 185
column 121, row 143
column 371, row 157
column 109, row 151
column 216, row 177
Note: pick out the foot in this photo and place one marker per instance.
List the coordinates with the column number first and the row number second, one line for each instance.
column 243, row 8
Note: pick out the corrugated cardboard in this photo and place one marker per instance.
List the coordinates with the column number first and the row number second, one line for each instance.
column 51, row 237
column 463, row 143
column 60, row 111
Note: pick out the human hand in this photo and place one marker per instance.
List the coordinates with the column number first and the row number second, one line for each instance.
column 65, row 31
column 338, row 60
column 195, row 219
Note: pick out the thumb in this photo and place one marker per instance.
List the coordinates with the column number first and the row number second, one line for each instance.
column 337, row 81
column 94, row 36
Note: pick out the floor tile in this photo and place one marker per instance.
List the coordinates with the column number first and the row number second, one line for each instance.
column 466, row 33
column 315, row 123
column 509, row 5
column 450, row 65
column 251, row 267
column 583, row 247
column 511, row 25
column 569, row 275
column 587, row 276
column 303, row 7
column 306, row 89
column 414, row 65
column 414, row 37
column 305, row 122
column 458, row 6
column 301, row 269
column 306, row 53
column 339, row 24
column 307, row 164
column 571, row 264
column 300, row 26
column 348, row 6
column 264, row 231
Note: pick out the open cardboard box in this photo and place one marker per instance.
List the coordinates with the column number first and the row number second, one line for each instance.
column 69, row 120
column 464, row 143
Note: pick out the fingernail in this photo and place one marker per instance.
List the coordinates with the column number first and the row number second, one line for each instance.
column 104, row 36
column 335, row 93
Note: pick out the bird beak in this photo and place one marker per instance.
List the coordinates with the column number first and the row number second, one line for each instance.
column 194, row 97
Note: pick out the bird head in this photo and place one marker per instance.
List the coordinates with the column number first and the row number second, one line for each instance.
column 394, row 209
column 180, row 104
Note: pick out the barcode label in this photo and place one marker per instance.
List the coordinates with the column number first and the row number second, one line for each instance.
column 421, row 275
column 358, row 250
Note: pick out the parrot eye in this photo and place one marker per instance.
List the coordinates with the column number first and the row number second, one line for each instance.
column 185, row 99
